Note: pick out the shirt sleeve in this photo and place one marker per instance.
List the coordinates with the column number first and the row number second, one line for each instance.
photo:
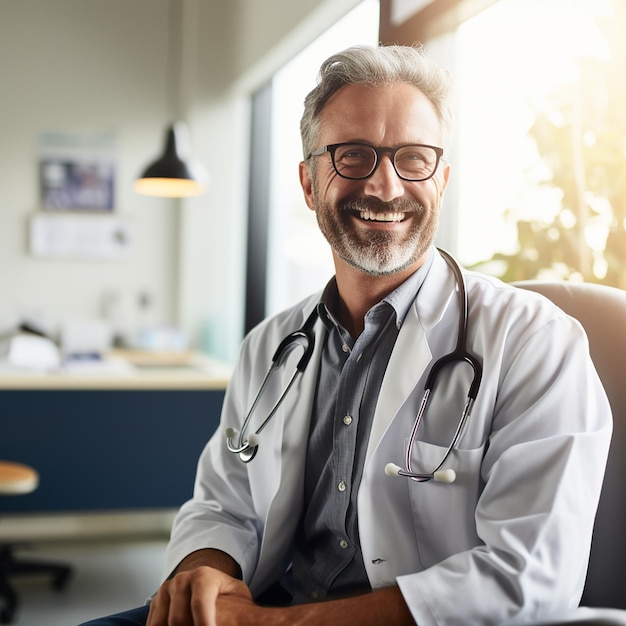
column 221, row 513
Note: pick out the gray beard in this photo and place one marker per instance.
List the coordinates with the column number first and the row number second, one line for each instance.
column 383, row 255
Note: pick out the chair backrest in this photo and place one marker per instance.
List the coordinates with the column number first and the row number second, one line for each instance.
column 602, row 312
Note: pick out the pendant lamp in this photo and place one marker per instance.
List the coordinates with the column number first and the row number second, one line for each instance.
column 172, row 175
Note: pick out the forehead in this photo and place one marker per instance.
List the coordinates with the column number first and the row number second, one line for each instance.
column 384, row 115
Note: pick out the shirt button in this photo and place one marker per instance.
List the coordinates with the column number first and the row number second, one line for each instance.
column 343, row 544
column 345, row 347
column 347, row 420
column 341, row 486
column 314, row 595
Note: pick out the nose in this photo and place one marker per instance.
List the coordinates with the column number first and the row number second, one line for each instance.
column 384, row 183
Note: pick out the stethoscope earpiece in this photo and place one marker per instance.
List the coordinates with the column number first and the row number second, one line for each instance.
column 445, row 476
column 440, row 476
column 253, row 440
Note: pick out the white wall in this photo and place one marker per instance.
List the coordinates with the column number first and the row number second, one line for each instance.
column 81, row 67
column 99, row 66
column 238, row 50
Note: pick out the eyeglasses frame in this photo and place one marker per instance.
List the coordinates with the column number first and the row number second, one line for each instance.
column 380, row 151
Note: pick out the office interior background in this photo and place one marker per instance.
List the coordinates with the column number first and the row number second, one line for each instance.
column 122, row 71
column 537, row 189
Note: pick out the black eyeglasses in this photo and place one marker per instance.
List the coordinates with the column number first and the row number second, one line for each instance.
column 355, row 161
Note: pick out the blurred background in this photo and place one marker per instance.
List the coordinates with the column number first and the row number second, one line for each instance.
column 121, row 314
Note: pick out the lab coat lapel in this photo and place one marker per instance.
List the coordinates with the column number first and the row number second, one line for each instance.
column 285, row 491
column 286, row 433
column 411, row 353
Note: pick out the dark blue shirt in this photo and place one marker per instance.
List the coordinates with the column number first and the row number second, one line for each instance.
column 327, row 559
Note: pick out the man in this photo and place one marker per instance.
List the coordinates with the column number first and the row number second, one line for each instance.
column 313, row 513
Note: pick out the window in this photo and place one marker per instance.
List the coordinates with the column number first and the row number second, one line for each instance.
column 299, row 259
column 542, row 140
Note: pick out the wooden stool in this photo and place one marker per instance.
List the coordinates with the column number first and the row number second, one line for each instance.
column 17, row 479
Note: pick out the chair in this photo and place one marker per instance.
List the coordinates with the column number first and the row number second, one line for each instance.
column 16, row 479
column 602, row 312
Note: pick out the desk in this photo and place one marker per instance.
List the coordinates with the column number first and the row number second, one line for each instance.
column 104, row 442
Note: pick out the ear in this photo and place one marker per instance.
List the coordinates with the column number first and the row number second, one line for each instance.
column 444, row 182
column 307, row 184
column 446, row 174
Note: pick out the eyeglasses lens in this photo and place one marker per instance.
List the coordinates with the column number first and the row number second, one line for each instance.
column 355, row 161
column 415, row 162
column 359, row 161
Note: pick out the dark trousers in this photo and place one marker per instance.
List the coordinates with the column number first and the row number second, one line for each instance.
column 274, row 596
column 134, row 617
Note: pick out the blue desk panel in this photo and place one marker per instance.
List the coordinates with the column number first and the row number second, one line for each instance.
column 106, row 450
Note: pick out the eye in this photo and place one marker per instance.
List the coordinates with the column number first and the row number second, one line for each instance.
column 412, row 154
column 354, row 153
column 416, row 160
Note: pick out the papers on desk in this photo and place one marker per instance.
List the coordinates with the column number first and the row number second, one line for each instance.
column 94, row 364
column 29, row 354
column 26, row 351
column 83, row 351
column 89, row 339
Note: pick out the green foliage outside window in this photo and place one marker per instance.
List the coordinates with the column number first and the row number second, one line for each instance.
column 581, row 137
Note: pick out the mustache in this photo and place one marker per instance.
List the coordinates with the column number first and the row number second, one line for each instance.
column 397, row 205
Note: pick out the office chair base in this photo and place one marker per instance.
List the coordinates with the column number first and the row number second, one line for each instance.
column 10, row 566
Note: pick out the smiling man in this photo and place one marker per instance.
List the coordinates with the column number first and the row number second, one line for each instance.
column 361, row 500
column 401, row 220
column 378, row 208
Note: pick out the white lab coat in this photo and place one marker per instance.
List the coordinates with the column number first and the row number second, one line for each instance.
column 508, row 542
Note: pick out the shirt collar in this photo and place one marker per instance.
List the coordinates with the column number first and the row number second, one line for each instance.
column 400, row 299
column 329, row 302
column 404, row 295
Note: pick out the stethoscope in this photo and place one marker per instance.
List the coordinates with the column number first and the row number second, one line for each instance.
column 246, row 446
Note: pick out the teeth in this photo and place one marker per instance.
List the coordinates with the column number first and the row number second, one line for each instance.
column 381, row 217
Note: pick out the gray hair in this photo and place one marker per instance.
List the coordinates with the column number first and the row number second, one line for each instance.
column 376, row 66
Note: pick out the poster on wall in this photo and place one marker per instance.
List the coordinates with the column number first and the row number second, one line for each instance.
column 63, row 236
column 77, row 172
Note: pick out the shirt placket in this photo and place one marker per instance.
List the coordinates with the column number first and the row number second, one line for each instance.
column 346, row 428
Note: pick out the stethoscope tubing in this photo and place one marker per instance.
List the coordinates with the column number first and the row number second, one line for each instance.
column 246, row 446
column 459, row 354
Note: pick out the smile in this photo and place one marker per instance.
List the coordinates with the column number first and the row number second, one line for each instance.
column 381, row 217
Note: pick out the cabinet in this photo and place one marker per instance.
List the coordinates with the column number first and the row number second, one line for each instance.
column 106, row 449
column 110, row 442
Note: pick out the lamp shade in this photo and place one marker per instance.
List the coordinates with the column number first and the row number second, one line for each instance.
column 172, row 175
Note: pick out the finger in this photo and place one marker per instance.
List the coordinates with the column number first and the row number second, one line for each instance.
column 159, row 608
column 203, row 602
column 178, row 610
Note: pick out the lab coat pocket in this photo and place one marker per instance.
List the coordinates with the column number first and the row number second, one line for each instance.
column 443, row 513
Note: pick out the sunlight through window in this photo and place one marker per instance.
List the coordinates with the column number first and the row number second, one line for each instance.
column 531, row 123
column 299, row 257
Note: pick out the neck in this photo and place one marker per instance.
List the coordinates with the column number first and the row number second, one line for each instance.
column 359, row 292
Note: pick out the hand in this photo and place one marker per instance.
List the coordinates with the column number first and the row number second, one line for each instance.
column 190, row 598
column 233, row 610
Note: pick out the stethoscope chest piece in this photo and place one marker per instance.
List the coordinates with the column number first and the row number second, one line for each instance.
column 246, row 449
column 247, row 455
